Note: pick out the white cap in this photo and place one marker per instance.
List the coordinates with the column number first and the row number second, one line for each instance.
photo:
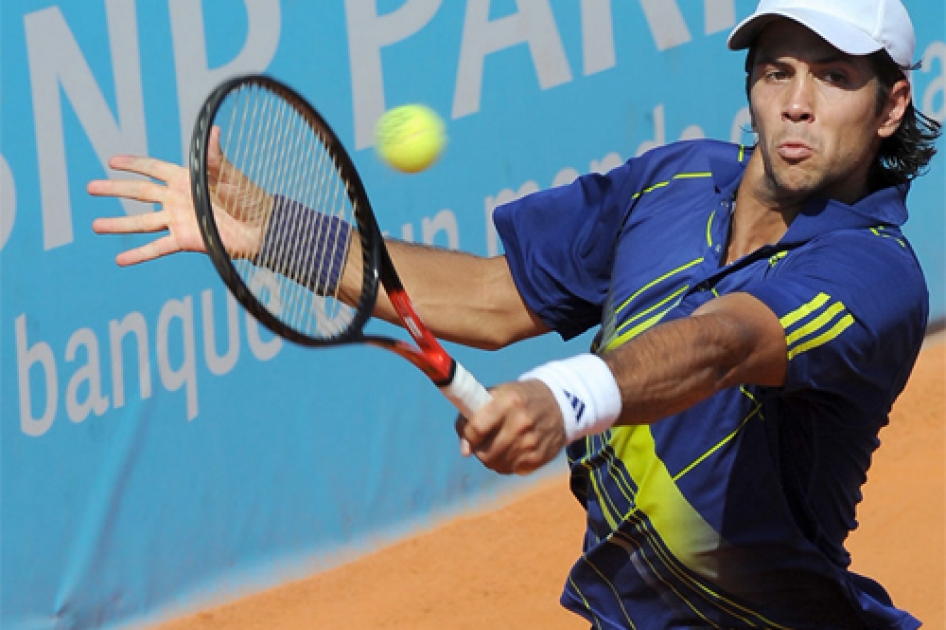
column 855, row 27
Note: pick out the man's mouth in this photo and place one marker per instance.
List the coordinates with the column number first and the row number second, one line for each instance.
column 794, row 151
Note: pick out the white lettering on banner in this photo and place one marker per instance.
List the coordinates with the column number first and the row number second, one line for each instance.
column 186, row 374
column 693, row 132
column 444, row 221
column 564, row 177
column 7, row 202
column 89, row 375
column 666, row 23
column 133, row 323
column 937, row 87
column 670, row 29
column 37, row 367
column 262, row 350
column 194, row 78
column 720, row 15
column 597, row 36
column 27, row 356
column 55, row 61
column 534, row 25
column 610, row 161
column 215, row 363
column 569, row 174
column 266, row 287
column 368, row 33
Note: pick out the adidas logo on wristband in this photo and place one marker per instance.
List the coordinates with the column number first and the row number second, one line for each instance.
column 586, row 392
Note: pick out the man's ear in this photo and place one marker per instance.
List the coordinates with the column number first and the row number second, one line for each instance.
column 894, row 110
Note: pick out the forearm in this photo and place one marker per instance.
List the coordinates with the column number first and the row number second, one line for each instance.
column 731, row 340
column 676, row 365
column 671, row 368
column 461, row 297
column 303, row 245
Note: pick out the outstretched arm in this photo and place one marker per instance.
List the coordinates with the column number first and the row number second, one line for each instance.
column 462, row 298
column 734, row 339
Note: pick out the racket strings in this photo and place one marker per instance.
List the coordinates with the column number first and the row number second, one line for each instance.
column 287, row 218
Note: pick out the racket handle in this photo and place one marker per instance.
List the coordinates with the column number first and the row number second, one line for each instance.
column 465, row 392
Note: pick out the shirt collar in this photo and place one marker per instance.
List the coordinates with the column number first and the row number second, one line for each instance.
column 883, row 207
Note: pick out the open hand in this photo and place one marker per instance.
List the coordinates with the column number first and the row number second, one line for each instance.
column 240, row 207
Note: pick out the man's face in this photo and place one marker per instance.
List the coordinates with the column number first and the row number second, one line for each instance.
column 815, row 112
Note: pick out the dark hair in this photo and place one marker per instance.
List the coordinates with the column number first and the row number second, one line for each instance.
column 907, row 153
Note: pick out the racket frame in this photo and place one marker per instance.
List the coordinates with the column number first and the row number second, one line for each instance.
column 203, row 207
column 429, row 356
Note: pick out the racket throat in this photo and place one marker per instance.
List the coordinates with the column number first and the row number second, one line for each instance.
column 436, row 364
column 431, row 358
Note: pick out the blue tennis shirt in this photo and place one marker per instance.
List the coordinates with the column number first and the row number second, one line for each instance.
column 734, row 512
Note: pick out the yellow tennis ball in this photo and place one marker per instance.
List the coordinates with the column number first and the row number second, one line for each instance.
column 410, row 138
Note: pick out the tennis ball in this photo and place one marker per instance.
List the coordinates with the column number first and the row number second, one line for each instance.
column 410, row 138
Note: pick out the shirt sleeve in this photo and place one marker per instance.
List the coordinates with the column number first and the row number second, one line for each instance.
column 560, row 244
column 854, row 309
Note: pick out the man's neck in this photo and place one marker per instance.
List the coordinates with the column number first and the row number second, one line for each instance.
column 754, row 226
column 758, row 218
column 763, row 213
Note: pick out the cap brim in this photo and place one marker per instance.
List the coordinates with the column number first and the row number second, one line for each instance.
column 840, row 34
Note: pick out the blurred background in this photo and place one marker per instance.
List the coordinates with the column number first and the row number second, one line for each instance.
column 160, row 449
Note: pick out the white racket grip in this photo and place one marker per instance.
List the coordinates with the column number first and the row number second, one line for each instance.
column 465, row 392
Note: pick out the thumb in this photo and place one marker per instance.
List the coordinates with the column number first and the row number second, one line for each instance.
column 469, row 436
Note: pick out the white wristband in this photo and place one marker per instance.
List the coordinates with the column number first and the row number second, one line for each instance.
column 585, row 391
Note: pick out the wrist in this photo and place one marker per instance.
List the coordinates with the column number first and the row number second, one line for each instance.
column 585, row 390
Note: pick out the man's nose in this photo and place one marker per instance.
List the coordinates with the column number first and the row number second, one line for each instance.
column 798, row 105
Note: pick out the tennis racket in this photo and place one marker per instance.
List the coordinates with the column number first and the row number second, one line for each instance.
column 287, row 223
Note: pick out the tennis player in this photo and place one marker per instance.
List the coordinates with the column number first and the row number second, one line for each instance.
column 759, row 308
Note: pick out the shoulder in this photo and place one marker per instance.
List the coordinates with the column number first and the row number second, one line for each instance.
column 708, row 160
column 873, row 270
column 881, row 251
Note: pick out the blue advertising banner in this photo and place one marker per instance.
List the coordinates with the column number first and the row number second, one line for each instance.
column 159, row 447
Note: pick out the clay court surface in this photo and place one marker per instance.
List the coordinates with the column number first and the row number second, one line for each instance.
column 504, row 568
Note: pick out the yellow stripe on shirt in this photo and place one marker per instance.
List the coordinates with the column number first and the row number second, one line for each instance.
column 816, row 324
column 805, row 310
column 824, row 338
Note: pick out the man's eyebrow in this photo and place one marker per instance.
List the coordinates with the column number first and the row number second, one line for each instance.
column 834, row 58
column 826, row 59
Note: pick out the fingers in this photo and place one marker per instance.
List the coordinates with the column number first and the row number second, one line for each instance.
column 470, row 435
column 520, row 430
column 465, row 448
column 134, row 224
column 168, row 186
column 137, row 189
column 144, row 190
column 215, row 158
column 155, row 249
column 142, row 165
column 214, row 144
